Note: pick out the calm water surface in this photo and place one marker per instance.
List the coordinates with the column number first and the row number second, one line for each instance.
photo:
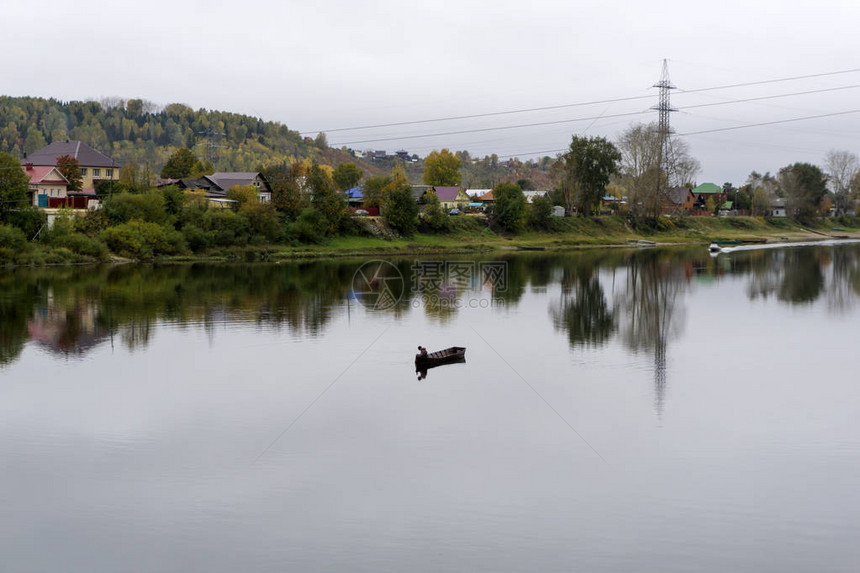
column 650, row 410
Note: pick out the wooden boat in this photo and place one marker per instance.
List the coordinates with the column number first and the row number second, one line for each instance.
column 447, row 356
column 641, row 242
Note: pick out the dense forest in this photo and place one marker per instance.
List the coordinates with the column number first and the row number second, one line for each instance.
column 138, row 130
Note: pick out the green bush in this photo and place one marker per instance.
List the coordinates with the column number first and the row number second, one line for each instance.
column 62, row 227
column 846, row 221
column 509, row 211
column 226, row 227
column 162, row 240
column 652, row 224
column 263, row 220
column 12, row 238
column 174, row 199
column 540, row 213
column 126, row 240
column 84, row 245
column 196, row 238
column 29, row 220
column 435, row 218
column 93, row 223
column 148, row 207
column 141, row 240
column 311, row 226
column 399, row 208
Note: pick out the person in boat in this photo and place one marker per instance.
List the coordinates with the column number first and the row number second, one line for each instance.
column 422, row 352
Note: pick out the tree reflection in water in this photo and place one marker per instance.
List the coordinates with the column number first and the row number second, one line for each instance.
column 582, row 310
column 651, row 312
column 69, row 311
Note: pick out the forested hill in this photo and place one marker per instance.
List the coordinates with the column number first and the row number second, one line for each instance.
column 137, row 130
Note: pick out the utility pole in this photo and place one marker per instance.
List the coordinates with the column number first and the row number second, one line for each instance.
column 664, row 109
column 212, row 139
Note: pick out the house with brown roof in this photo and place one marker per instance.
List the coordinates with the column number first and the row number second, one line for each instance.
column 215, row 186
column 452, row 197
column 677, row 201
column 95, row 166
column 483, row 195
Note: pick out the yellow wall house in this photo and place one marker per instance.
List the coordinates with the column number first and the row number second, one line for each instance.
column 47, row 185
column 94, row 166
column 452, row 197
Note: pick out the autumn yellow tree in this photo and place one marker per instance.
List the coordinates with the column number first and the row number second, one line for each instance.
column 442, row 168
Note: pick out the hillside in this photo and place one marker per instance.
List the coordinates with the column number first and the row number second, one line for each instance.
column 137, row 130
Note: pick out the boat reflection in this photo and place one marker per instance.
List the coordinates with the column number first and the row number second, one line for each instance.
column 422, row 369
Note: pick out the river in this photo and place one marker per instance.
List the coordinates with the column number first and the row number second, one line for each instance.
column 618, row 410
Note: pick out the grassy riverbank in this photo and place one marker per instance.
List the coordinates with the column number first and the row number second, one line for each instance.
column 570, row 233
column 472, row 235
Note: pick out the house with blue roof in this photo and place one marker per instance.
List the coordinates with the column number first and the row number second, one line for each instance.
column 355, row 195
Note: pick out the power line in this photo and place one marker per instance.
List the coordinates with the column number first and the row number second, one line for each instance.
column 478, row 115
column 497, row 128
column 752, row 99
column 578, row 104
column 563, row 121
column 835, row 114
column 773, row 81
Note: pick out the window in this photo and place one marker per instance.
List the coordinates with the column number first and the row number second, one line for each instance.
column 84, row 171
column 109, row 173
column 97, row 172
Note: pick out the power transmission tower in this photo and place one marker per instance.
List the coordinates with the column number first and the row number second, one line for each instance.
column 665, row 157
column 212, row 140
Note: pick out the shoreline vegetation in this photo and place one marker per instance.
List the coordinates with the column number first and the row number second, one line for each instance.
column 466, row 234
column 599, row 195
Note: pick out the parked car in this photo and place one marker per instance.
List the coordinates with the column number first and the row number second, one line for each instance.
column 360, row 213
column 454, row 212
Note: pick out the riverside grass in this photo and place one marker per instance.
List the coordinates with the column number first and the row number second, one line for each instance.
column 471, row 234
column 570, row 233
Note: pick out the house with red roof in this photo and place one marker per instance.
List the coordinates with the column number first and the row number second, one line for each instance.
column 48, row 187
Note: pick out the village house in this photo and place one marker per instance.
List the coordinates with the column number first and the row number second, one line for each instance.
column 215, row 186
column 94, row 166
column 777, row 207
column 485, row 196
column 705, row 192
column 452, row 197
column 678, row 201
column 48, row 187
column 418, row 192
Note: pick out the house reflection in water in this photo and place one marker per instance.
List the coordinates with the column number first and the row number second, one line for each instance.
column 69, row 330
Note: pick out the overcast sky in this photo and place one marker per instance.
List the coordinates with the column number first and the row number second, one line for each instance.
column 332, row 64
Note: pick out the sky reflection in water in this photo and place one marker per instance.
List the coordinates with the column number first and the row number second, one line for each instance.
column 260, row 417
